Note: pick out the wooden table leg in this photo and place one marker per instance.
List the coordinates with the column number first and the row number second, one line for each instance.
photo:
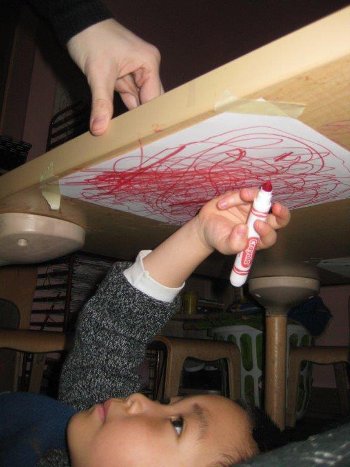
column 275, row 368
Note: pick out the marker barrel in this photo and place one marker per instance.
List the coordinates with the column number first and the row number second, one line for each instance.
column 244, row 259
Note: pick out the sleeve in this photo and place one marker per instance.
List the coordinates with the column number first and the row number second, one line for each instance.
column 138, row 277
column 69, row 17
column 112, row 334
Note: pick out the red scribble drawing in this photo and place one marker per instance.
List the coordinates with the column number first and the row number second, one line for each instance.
column 171, row 183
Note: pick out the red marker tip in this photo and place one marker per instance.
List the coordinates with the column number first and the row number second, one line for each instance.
column 267, row 186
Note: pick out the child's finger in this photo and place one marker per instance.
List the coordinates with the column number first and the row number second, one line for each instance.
column 236, row 198
column 267, row 233
column 238, row 239
column 279, row 217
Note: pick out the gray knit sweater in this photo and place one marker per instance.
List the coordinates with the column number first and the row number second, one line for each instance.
column 113, row 330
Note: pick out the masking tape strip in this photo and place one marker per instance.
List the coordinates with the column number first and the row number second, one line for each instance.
column 258, row 107
column 50, row 191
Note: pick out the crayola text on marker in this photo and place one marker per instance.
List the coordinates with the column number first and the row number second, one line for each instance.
column 244, row 259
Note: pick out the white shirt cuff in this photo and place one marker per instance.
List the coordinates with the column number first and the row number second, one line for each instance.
column 139, row 278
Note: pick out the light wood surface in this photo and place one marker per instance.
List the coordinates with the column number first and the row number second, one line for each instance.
column 310, row 67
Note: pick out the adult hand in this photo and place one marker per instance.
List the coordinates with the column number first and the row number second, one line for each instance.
column 114, row 59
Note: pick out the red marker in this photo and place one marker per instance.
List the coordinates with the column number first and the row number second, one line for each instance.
column 244, row 259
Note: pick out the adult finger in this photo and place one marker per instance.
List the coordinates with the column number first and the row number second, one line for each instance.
column 102, row 88
column 151, row 87
column 147, row 77
column 128, row 91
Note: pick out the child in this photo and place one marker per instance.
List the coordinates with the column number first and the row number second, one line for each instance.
column 108, row 425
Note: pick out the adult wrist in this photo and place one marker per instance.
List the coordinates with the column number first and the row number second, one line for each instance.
column 69, row 17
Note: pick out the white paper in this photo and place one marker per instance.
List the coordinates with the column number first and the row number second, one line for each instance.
column 170, row 179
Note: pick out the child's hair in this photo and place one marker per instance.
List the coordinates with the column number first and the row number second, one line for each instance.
column 265, row 432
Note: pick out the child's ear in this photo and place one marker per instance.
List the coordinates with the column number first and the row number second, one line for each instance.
column 265, row 432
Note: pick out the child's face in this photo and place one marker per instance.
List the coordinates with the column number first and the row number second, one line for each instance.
column 192, row 431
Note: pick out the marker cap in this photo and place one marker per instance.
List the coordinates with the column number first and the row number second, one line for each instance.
column 237, row 280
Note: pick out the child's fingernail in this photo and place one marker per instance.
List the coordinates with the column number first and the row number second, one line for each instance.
column 241, row 230
column 259, row 224
column 249, row 192
column 222, row 204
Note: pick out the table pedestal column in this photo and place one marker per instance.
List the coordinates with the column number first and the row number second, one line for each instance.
column 275, row 367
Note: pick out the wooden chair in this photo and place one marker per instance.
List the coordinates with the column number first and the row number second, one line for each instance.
column 177, row 350
column 323, row 355
column 37, row 342
column 18, row 284
column 17, row 287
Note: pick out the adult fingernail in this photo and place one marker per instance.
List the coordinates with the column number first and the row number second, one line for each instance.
column 134, row 102
column 98, row 124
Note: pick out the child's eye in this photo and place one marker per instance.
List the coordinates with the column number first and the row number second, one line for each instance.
column 178, row 424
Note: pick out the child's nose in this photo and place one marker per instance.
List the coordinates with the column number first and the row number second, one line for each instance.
column 138, row 403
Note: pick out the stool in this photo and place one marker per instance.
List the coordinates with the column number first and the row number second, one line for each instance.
column 338, row 356
column 251, row 346
column 37, row 342
column 323, row 355
column 178, row 349
column 249, row 342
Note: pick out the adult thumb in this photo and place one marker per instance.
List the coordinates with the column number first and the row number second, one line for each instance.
column 101, row 108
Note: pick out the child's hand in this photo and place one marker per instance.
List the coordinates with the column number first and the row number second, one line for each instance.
column 222, row 222
column 220, row 225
